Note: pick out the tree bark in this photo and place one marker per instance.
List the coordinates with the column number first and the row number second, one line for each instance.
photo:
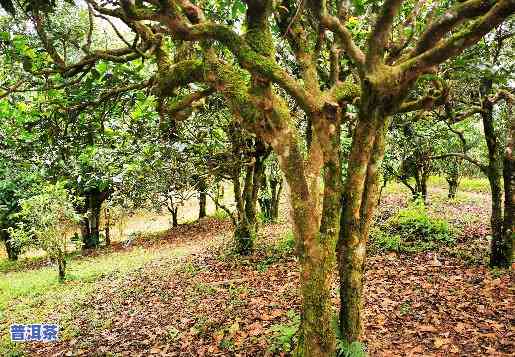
column 175, row 213
column 509, row 191
column 90, row 225
column 359, row 203
column 453, row 186
column 276, row 188
column 202, row 199
column 107, row 226
column 12, row 252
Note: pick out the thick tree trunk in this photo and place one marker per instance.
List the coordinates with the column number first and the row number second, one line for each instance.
column 360, row 201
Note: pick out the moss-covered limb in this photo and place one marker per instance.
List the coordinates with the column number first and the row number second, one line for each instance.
column 327, row 132
column 343, row 91
column 258, row 34
column 377, row 40
column 426, row 102
column 458, row 42
column 179, row 74
column 186, row 102
column 482, row 167
column 371, row 192
column 334, row 24
column 49, row 46
column 454, row 16
column 294, row 27
column 252, row 61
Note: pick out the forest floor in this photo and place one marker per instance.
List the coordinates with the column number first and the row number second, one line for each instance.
column 182, row 292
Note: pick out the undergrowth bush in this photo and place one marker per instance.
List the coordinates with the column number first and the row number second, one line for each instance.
column 412, row 229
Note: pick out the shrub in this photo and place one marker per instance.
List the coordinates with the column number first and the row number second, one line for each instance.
column 286, row 244
column 46, row 221
column 412, row 230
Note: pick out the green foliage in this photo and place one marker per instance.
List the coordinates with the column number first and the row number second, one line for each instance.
column 343, row 347
column 412, row 229
column 286, row 244
column 46, row 221
column 284, row 335
column 220, row 215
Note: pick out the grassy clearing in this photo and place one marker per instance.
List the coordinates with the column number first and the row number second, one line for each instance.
column 468, row 184
column 34, row 295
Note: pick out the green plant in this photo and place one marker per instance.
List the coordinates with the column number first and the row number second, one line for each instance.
column 283, row 335
column 46, row 221
column 220, row 215
column 345, row 349
column 286, row 244
column 412, row 229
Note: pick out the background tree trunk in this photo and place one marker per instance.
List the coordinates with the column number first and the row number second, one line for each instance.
column 276, row 188
column 175, row 214
column 202, row 198
column 453, row 186
column 12, row 252
column 509, row 192
column 107, row 226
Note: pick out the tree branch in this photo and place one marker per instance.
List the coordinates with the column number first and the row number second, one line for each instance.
column 333, row 24
column 459, row 41
column 382, row 28
column 482, row 167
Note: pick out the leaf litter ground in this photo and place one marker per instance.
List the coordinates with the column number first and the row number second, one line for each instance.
column 211, row 303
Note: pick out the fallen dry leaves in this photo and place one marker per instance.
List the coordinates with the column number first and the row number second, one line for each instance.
column 204, row 305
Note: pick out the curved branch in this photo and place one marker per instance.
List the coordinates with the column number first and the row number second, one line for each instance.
column 459, row 41
column 482, row 167
column 449, row 20
column 351, row 49
column 382, row 28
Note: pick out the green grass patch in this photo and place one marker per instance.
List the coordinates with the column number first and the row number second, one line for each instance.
column 412, row 229
column 468, row 184
column 35, row 295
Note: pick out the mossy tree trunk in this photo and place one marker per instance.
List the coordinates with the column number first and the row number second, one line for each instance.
column 359, row 202
column 500, row 250
column 246, row 197
column 316, row 226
